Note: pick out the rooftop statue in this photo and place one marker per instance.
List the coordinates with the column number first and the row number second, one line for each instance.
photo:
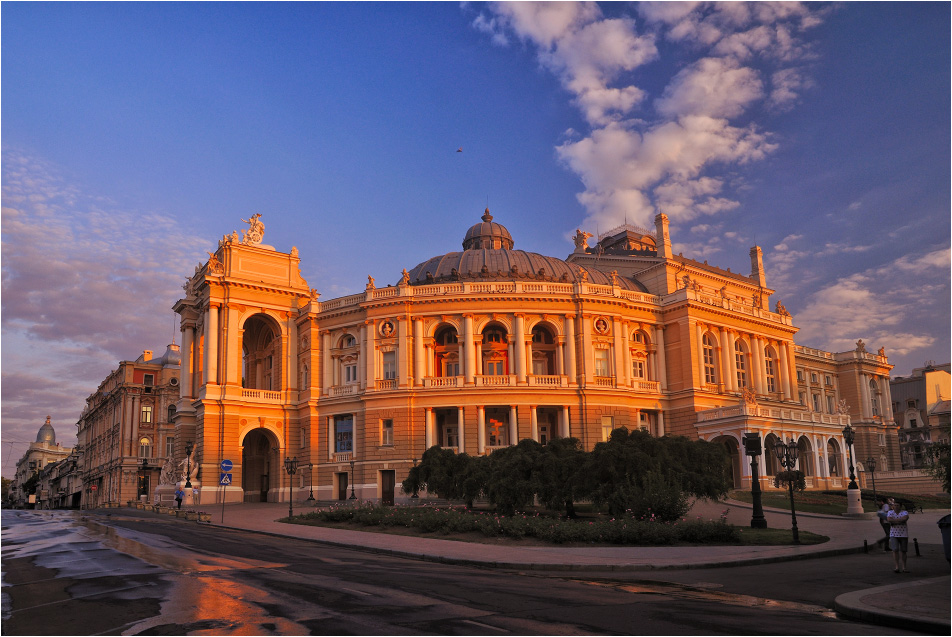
column 581, row 239
column 255, row 232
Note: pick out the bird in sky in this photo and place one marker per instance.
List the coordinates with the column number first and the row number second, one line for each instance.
column 460, row 149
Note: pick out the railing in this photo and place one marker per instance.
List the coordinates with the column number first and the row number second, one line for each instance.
column 442, row 381
column 494, row 381
column 390, row 383
column 345, row 456
column 640, row 384
column 343, row 390
column 735, row 411
column 260, row 394
column 604, row 381
column 490, row 449
column 548, row 381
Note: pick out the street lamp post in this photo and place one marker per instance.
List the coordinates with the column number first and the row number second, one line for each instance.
column 188, row 464
column 854, row 502
column 871, row 467
column 290, row 465
column 310, row 481
column 753, row 448
column 352, row 495
column 415, row 496
column 787, row 455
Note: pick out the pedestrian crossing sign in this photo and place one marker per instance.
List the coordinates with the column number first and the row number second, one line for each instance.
column 224, row 480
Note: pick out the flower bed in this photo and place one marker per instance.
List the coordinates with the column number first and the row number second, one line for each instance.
column 443, row 520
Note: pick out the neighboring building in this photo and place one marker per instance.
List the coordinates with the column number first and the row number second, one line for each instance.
column 921, row 409
column 60, row 484
column 45, row 451
column 477, row 349
column 126, row 432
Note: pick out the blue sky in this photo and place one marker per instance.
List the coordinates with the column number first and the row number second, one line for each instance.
column 136, row 135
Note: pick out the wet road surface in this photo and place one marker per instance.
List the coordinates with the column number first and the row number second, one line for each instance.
column 118, row 571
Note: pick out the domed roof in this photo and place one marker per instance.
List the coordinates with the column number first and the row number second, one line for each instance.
column 46, row 433
column 487, row 235
column 488, row 256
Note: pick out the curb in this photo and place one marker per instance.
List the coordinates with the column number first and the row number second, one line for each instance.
column 851, row 605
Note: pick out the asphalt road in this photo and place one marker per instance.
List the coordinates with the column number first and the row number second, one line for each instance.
column 115, row 572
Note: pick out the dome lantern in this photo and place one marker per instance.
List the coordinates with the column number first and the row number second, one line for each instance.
column 487, row 235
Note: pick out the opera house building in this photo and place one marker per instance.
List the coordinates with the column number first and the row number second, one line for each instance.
column 478, row 348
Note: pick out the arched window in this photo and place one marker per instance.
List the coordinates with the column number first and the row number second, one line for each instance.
column 771, row 368
column 543, row 351
column 710, row 360
column 740, row 361
column 638, row 348
column 260, row 348
column 446, row 361
column 145, row 447
column 348, row 341
column 495, row 351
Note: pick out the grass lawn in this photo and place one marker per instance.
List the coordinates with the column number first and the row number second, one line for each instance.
column 834, row 503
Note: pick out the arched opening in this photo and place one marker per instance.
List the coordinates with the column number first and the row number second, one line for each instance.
column 261, row 350
column 260, row 465
column 495, row 350
column 834, row 458
column 543, row 351
column 771, row 464
column 733, row 449
column 805, row 456
column 346, row 355
column 446, row 359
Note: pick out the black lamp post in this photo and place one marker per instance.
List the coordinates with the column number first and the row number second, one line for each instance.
column 352, row 495
column 752, row 448
column 310, row 482
column 787, row 455
column 871, row 467
column 188, row 464
column 848, row 436
column 415, row 496
column 145, row 467
column 290, row 465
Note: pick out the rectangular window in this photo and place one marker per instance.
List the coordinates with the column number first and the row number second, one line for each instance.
column 451, row 369
column 493, row 368
column 350, row 373
column 800, row 375
column 829, row 380
column 913, row 423
column 637, row 369
column 344, row 433
column 771, row 378
column 601, row 363
column 816, row 402
column 146, row 414
column 608, row 425
column 803, row 399
column 170, row 446
column 829, row 405
column 386, row 433
column 450, row 436
column 813, row 377
column 148, row 380
column 539, row 367
column 389, row 365
column 303, row 437
column 741, row 363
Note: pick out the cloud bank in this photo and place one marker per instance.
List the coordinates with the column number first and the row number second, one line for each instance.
column 643, row 153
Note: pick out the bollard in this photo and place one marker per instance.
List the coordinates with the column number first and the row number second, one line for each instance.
column 915, row 543
column 865, row 546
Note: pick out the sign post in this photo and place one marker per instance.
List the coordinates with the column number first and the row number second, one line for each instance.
column 223, row 481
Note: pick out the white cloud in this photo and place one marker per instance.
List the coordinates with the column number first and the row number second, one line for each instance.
column 645, row 153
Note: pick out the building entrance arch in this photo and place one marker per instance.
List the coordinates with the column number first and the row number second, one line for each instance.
column 733, row 449
column 260, row 466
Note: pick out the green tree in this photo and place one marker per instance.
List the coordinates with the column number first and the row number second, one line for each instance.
column 449, row 475
column 557, row 474
column 511, row 483
column 937, row 463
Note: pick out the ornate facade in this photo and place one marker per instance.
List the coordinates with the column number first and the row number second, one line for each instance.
column 921, row 409
column 126, row 432
column 42, row 454
column 477, row 349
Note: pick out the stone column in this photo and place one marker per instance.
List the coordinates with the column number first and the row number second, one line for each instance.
column 480, row 430
column 419, row 369
column 866, row 411
column 188, row 335
column 588, row 351
column 211, row 345
column 469, row 350
column 365, row 383
column 886, row 398
column 730, row 383
column 428, row 427
column 784, row 371
column 732, row 361
column 403, row 344
column 326, row 362
column 571, row 369
column 513, row 425
column 460, row 430
column 660, row 423
column 757, row 364
column 519, row 349
column 662, row 368
column 565, row 427
column 533, row 423
column 371, row 355
column 331, row 438
column 699, row 340
column 619, row 346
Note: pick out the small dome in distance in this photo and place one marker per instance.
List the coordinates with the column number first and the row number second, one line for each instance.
column 46, row 433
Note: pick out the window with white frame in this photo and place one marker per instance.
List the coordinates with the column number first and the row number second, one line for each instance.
column 386, row 432
column 145, row 448
column 170, row 446
column 813, row 377
column 829, row 405
column 740, row 361
column 770, row 367
column 638, row 368
column 389, row 365
column 608, row 425
column 710, row 365
column 350, row 372
column 602, row 366
column 146, row 414
column 816, row 402
column 343, row 433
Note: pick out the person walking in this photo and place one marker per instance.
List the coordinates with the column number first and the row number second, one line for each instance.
column 179, row 496
column 898, row 535
column 881, row 514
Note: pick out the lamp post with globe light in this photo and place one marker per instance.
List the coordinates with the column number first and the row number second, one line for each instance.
column 290, row 465
column 787, row 455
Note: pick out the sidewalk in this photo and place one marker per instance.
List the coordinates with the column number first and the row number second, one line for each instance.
column 922, row 605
